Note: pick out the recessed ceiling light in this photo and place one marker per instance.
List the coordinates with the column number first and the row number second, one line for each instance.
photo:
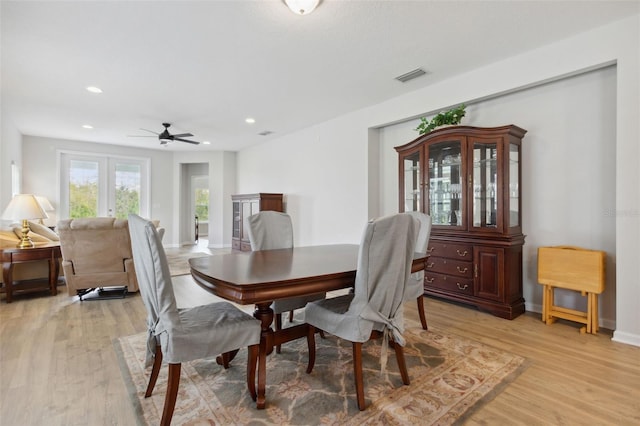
column 250, row 120
column 206, row 143
column 87, row 126
column 94, row 89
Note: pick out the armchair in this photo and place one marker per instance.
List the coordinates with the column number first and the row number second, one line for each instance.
column 96, row 253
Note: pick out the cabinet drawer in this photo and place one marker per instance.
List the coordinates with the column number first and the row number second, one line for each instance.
column 449, row 283
column 235, row 244
column 452, row 251
column 245, row 246
column 450, row 266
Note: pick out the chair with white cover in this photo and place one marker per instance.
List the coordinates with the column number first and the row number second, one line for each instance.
column 415, row 287
column 374, row 309
column 178, row 335
column 271, row 230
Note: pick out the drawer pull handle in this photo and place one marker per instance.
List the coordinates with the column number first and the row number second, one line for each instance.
column 463, row 254
column 429, row 280
column 462, row 287
column 462, row 271
column 430, row 249
column 431, row 265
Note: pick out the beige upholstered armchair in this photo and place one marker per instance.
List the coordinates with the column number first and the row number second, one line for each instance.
column 96, row 254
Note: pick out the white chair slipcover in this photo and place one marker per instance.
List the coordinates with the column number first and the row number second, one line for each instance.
column 269, row 230
column 415, row 287
column 179, row 335
column 384, row 269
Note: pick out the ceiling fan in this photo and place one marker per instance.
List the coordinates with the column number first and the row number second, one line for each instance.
column 165, row 137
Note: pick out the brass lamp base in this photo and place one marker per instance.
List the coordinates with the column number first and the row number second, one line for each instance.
column 25, row 241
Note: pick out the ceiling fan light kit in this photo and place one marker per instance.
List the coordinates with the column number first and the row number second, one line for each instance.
column 302, row 7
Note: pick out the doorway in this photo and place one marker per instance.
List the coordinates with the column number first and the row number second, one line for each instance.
column 194, row 202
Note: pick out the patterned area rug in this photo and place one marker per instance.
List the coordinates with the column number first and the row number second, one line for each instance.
column 179, row 261
column 450, row 378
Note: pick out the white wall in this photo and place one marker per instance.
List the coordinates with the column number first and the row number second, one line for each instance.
column 325, row 170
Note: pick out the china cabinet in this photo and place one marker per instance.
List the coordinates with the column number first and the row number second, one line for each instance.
column 468, row 179
column 244, row 205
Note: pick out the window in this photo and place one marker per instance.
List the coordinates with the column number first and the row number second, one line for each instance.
column 94, row 186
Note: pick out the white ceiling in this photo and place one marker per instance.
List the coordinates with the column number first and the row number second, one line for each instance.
column 205, row 66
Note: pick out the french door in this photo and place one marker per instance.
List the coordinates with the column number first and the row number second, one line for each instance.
column 93, row 185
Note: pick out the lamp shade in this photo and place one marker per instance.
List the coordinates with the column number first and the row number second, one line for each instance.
column 44, row 202
column 302, row 7
column 24, row 206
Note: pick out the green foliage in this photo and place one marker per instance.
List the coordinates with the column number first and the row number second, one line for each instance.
column 452, row 116
column 83, row 200
column 127, row 201
column 202, row 204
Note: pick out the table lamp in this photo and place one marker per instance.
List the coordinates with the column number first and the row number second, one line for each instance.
column 46, row 205
column 24, row 207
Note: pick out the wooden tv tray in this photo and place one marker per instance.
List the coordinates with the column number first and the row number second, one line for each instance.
column 576, row 269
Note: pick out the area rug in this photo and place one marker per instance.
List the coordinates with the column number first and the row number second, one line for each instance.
column 450, row 378
column 178, row 261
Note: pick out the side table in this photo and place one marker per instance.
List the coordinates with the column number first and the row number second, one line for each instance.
column 11, row 256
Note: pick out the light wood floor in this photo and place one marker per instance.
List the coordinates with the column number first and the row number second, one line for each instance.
column 58, row 366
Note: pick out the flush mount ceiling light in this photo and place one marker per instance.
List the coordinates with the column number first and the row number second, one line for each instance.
column 249, row 120
column 302, row 7
column 87, row 126
column 94, row 89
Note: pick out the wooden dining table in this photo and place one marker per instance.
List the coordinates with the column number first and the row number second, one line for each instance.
column 260, row 277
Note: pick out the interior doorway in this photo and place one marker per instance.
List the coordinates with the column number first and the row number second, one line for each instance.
column 194, row 203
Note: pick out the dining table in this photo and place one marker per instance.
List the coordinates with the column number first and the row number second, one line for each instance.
column 260, row 277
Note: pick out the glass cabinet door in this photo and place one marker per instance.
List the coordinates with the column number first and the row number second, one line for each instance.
column 485, row 185
column 446, row 201
column 514, row 190
column 411, row 183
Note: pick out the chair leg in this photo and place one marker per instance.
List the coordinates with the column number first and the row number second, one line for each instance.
column 278, row 327
column 157, row 362
column 252, row 359
column 291, row 316
column 172, row 394
column 357, row 372
column 423, row 318
column 402, row 366
column 311, row 343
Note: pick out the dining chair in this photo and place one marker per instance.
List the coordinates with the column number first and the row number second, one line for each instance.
column 415, row 286
column 374, row 309
column 270, row 230
column 178, row 335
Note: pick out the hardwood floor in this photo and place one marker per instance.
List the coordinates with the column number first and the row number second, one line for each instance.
column 58, row 366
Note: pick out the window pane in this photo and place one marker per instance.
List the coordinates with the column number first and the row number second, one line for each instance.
column 202, row 204
column 83, row 189
column 127, row 182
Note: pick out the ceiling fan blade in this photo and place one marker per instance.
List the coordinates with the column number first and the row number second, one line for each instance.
column 185, row 140
column 182, row 135
column 141, row 136
column 150, row 131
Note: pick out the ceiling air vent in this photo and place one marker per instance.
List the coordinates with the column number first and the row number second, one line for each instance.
column 411, row 75
column 265, row 133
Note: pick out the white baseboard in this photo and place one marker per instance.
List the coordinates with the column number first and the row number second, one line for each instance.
column 626, row 338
